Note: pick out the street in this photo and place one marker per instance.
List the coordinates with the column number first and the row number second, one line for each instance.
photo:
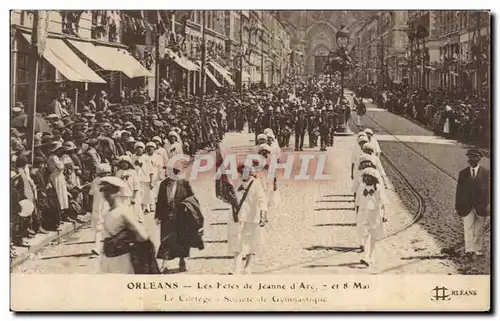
column 312, row 230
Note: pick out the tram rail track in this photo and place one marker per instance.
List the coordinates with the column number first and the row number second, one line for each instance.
column 418, row 214
column 439, row 168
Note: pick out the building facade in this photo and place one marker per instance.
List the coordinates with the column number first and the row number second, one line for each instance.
column 425, row 49
column 312, row 36
column 113, row 49
column 380, row 47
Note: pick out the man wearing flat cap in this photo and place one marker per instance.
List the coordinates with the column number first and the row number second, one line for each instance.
column 472, row 202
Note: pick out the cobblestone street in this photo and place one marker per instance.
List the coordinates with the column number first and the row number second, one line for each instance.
column 313, row 228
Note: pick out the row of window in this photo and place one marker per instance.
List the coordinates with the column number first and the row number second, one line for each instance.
column 451, row 21
column 214, row 19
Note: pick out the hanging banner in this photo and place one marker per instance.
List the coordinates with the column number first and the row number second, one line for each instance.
column 162, row 44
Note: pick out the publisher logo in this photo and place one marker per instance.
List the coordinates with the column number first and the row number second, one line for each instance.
column 440, row 294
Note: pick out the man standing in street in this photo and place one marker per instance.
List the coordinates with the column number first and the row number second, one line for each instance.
column 331, row 117
column 300, row 129
column 323, row 129
column 472, row 202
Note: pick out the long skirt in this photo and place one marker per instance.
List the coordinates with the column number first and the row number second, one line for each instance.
column 446, row 127
column 148, row 196
column 119, row 264
column 369, row 223
column 61, row 190
column 244, row 237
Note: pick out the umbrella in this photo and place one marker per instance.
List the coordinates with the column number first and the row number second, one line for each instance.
column 41, row 125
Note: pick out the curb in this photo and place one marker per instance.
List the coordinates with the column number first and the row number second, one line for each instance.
column 40, row 241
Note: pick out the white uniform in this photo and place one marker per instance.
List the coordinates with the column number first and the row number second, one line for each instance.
column 377, row 150
column 130, row 177
column 369, row 217
column 143, row 173
column 245, row 236
column 356, row 153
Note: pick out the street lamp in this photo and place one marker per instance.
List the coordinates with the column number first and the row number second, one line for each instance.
column 342, row 38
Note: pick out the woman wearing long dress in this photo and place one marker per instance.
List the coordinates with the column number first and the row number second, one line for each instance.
column 178, row 214
column 99, row 205
column 120, row 229
column 371, row 201
column 145, row 173
column 56, row 169
column 245, row 230
column 447, row 120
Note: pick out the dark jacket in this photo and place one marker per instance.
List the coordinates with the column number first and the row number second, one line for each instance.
column 473, row 193
column 177, row 233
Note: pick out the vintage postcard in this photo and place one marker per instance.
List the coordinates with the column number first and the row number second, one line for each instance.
column 250, row 160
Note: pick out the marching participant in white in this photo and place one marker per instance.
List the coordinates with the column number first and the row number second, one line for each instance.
column 175, row 147
column 145, row 173
column 156, row 164
column 245, row 234
column 369, row 149
column 356, row 153
column 99, row 205
column 128, row 174
column 270, row 183
column 371, row 202
column 261, row 139
column 372, row 140
column 162, row 154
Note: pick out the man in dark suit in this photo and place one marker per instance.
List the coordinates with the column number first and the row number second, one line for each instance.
column 473, row 202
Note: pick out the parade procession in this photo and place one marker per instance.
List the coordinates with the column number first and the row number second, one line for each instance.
column 250, row 142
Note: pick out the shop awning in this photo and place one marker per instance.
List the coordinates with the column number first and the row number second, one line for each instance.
column 210, row 75
column 112, row 59
column 59, row 55
column 223, row 71
column 183, row 62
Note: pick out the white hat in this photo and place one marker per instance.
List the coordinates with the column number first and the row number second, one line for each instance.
column 362, row 138
column 53, row 116
column 368, row 158
column 139, row 144
column 17, row 110
column 270, row 135
column 117, row 134
column 151, row 144
column 265, row 147
column 103, row 168
column 368, row 131
column 261, row 136
column 372, row 172
column 174, row 134
column 157, row 139
column 267, row 130
column 369, row 146
column 127, row 159
column 113, row 180
column 361, row 134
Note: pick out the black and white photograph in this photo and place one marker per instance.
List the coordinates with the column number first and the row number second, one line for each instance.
column 251, row 142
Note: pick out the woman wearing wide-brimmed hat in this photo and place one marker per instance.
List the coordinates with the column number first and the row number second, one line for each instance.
column 56, row 170
column 124, row 249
